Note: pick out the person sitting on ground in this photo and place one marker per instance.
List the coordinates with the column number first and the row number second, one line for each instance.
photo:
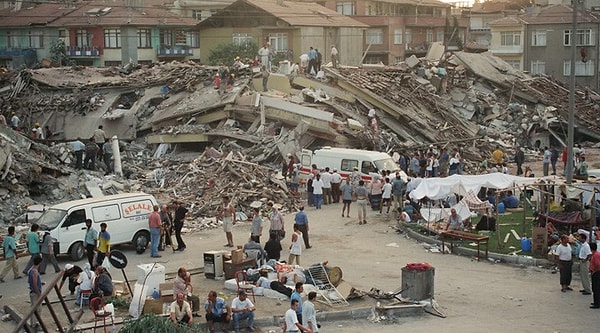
column 487, row 222
column 72, row 273
column 510, row 200
column 404, row 217
column 217, row 311
column 103, row 286
column 183, row 285
column 242, row 308
column 85, row 280
column 180, row 311
column 273, row 247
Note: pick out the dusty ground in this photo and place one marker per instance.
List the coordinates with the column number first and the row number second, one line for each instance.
column 474, row 295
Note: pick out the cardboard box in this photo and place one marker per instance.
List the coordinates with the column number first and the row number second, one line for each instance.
column 237, row 256
column 539, row 240
column 154, row 306
column 229, row 268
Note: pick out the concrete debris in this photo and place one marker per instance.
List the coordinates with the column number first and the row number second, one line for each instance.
column 181, row 139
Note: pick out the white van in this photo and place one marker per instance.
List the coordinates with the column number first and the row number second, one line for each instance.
column 344, row 160
column 126, row 216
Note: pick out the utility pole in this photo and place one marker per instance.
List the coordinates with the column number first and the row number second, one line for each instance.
column 571, row 119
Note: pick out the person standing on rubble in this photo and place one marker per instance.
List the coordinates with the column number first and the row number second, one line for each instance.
column 553, row 158
column 334, row 56
column 264, row 74
column 91, row 150
column 99, row 138
column 180, row 212
column 15, row 121
column 264, row 53
column 78, row 149
column 2, row 120
column 312, row 61
column 520, row 159
column 227, row 215
column 546, row 160
column 108, row 155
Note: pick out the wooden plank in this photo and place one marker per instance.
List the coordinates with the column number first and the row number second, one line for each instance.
column 506, row 237
column 515, row 234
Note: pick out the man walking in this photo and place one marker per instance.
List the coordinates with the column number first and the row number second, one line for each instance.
column 180, row 212
column 563, row 255
column 297, row 296
column 90, row 242
column 34, row 280
column 10, row 254
column 326, row 179
column 227, row 215
column 595, row 271
column 103, row 244
column 155, row 224
column 301, row 220
column 309, row 315
column 47, row 250
column 33, row 246
column 291, row 324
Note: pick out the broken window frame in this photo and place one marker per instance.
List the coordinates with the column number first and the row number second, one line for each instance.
column 144, row 38
column 581, row 68
column 112, row 38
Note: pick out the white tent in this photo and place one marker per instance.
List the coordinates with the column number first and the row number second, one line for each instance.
column 441, row 188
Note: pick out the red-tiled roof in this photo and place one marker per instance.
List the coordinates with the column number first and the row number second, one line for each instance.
column 39, row 15
column 508, row 20
column 116, row 13
column 557, row 14
column 304, row 13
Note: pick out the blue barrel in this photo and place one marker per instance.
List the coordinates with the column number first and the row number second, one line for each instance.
column 501, row 208
column 526, row 244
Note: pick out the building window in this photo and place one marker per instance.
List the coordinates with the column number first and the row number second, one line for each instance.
column 180, row 37
column 241, row 38
column 166, row 39
column 510, row 38
column 82, row 38
column 346, row 7
column 440, row 36
column 193, row 39
column 144, row 39
column 12, row 39
column 429, row 35
column 538, row 67
column 62, row 33
column 408, row 37
column 278, row 41
column 375, row 36
column 538, row 38
column 197, row 14
column 397, row 36
column 36, row 39
column 112, row 38
column 516, row 64
column 584, row 37
column 581, row 68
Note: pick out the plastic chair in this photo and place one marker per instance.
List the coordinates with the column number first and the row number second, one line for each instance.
column 85, row 297
column 97, row 307
column 241, row 278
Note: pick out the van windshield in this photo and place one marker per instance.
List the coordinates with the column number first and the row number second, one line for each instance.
column 51, row 218
column 386, row 164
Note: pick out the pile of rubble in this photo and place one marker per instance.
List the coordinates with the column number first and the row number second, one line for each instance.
column 241, row 137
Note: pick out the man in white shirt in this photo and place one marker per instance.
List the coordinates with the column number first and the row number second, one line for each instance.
column 336, row 182
column 564, row 256
column 309, row 315
column 386, row 196
column 242, row 308
column 334, row 56
column 585, row 255
column 180, row 311
column 326, row 179
column 318, row 191
column 291, row 324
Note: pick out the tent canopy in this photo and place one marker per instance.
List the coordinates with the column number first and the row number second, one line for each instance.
column 441, row 188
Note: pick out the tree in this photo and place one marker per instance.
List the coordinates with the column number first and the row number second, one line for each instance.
column 58, row 53
column 226, row 53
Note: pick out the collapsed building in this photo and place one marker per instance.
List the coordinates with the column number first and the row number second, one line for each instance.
column 179, row 134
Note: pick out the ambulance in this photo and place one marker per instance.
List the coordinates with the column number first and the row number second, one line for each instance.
column 369, row 163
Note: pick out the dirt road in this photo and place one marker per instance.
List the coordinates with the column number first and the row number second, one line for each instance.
column 475, row 296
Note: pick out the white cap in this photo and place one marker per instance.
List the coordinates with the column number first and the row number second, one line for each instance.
column 68, row 266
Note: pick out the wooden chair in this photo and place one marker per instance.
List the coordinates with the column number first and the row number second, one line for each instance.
column 97, row 307
column 241, row 278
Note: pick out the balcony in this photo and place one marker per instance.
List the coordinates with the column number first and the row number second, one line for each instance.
column 12, row 52
column 83, row 51
column 176, row 51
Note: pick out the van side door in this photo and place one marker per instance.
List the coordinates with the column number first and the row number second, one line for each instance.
column 111, row 215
